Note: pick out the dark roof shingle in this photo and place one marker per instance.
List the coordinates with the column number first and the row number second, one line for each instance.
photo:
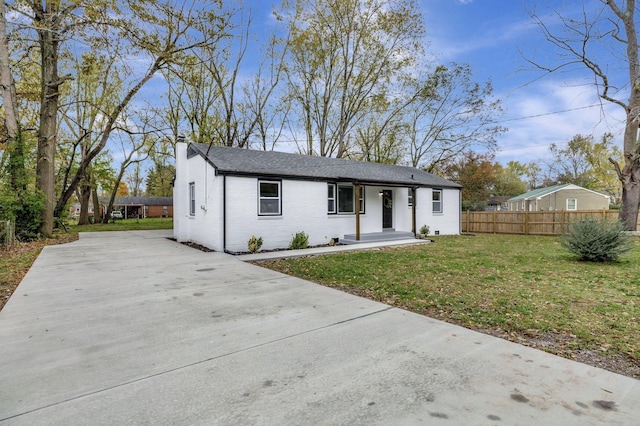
column 272, row 163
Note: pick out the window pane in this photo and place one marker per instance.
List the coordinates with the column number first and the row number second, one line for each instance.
column 330, row 191
column 437, row 201
column 192, row 199
column 269, row 206
column 345, row 199
column 331, row 206
column 269, row 189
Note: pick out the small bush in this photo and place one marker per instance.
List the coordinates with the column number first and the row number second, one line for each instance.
column 25, row 212
column 299, row 241
column 254, row 244
column 424, row 230
column 596, row 240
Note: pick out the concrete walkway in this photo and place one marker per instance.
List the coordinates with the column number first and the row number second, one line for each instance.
column 315, row 251
column 133, row 328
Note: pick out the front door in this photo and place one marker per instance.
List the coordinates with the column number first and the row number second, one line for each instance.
column 387, row 209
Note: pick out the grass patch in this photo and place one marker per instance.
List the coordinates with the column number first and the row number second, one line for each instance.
column 526, row 288
column 125, row 225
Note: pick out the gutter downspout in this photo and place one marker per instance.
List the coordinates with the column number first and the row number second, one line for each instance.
column 413, row 210
column 460, row 214
column 224, row 213
column 357, row 205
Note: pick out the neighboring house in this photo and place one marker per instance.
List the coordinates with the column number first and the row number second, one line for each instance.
column 74, row 210
column 223, row 196
column 497, row 204
column 559, row 197
column 140, row 207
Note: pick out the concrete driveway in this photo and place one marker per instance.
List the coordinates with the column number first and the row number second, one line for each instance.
column 133, row 328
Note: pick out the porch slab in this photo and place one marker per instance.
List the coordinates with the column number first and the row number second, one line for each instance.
column 372, row 237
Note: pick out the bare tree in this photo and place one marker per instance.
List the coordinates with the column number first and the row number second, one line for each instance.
column 162, row 36
column 344, row 55
column 135, row 143
column 451, row 116
column 602, row 40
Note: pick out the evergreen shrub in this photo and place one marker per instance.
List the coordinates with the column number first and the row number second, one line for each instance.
column 596, row 240
column 299, row 241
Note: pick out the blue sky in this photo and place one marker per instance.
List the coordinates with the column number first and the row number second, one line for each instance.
column 493, row 36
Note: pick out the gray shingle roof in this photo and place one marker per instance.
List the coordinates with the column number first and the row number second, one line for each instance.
column 280, row 164
column 147, row 201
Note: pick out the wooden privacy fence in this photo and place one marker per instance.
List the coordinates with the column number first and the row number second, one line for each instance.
column 528, row 223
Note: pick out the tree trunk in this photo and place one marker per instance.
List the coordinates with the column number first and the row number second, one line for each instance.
column 45, row 174
column 112, row 199
column 630, row 196
column 15, row 141
column 96, row 204
column 85, row 192
column 85, row 196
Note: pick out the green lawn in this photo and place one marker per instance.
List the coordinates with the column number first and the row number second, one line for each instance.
column 510, row 285
column 125, row 225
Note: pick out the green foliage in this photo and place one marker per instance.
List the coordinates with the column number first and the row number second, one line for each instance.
column 25, row 211
column 254, row 244
column 596, row 240
column 299, row 241
column 424, row 229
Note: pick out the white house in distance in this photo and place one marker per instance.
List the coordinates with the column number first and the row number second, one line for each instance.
column 223, row 196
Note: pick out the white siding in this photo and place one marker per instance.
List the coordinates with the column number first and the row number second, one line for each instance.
column 304, row 208
column 447, row 222
column 205, row 227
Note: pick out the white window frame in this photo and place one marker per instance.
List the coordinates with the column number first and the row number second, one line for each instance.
column 333, row 197
column 278, row 197
column 410, row 195
column 192, row 198
column 575, row 204
column 435, row 202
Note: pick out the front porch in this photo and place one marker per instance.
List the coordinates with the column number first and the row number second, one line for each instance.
column 375, row 237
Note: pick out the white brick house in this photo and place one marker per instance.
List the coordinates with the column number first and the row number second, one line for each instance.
column 223, row 196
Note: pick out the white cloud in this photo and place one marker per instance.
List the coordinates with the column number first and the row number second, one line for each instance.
column 554, row 112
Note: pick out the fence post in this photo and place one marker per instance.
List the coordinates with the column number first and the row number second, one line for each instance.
column 493, row 228
column 468, row 220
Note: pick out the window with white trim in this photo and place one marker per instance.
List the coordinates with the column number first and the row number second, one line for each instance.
column 410, row 197
column 436, row 198
column 331, row 198
column 269, row 198
column 192, row 198
column 572, row 204
column 346, row 199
